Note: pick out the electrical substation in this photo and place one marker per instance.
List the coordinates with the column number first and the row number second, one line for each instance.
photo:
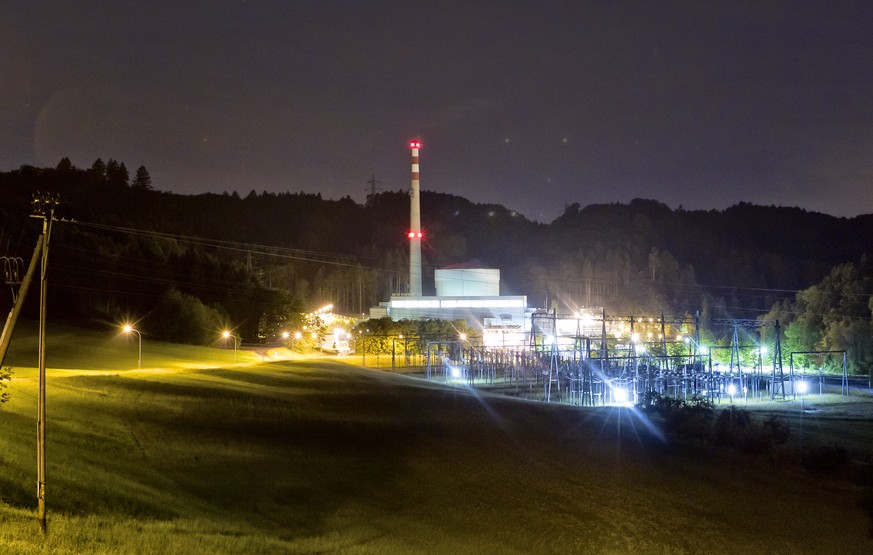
column 589, row 357
column 630, row 356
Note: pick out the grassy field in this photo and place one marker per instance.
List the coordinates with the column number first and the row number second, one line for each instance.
column 196, row 454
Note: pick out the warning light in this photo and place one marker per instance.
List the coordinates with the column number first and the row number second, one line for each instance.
column 414, row 144
column 420, row 235
column 414, row 234
column 411, row 234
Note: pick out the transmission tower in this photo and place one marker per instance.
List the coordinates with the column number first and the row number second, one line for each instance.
column 778, row 376
column 371, row 190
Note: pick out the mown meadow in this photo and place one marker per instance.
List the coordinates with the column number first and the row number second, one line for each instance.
column 197, row 454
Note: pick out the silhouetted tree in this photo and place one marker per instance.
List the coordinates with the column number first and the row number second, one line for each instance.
column 98, row 168
column 116, row 174
column 64, row 166
column 142, row 180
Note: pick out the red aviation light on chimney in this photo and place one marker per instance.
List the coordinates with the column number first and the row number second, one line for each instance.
column 414, row 234
column 414, row 144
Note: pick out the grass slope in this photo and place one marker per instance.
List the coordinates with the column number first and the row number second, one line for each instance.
column 320, row 457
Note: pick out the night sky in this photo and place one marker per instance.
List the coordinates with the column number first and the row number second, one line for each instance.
column 532, row 105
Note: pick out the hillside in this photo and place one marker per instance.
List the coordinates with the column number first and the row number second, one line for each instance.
column 235, row 252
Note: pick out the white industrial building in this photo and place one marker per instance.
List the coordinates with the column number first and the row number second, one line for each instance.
column 463, row 292
column 467, row 291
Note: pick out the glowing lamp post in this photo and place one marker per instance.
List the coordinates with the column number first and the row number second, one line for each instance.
column 227, row 335
column 130, row 329
column 285, row 337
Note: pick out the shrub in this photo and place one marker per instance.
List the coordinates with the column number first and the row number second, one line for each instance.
column 732, row 427
column 5, row 374
column 656, row 403
column 185, row 319
column 690, row 418
column 777, row 429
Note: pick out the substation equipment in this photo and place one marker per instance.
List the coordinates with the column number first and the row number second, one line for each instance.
column 610, row 360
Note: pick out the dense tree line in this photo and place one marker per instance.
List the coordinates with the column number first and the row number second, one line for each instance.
column 832, row 315
column 383, row 336
column 134, row 251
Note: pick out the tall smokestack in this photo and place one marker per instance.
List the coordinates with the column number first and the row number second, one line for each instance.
column 415, row 234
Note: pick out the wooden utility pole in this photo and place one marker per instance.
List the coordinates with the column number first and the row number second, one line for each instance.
column 44, row 207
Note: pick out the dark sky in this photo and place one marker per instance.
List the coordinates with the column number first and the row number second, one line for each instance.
column 532, row 105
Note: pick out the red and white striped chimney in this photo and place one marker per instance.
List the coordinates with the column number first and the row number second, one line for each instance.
column 415, row 233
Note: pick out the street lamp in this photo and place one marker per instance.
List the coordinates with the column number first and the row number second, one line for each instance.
column 130, row 329
column 227, row 335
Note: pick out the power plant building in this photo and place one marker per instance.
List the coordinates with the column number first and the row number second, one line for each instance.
column 464, row 292
column 467, row 291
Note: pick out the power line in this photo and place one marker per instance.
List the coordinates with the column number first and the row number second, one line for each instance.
column 286, row 253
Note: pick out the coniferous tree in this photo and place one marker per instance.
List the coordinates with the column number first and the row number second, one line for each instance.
column 117, row 174
column 142, row 180
column 64, row 165
column 98, row 168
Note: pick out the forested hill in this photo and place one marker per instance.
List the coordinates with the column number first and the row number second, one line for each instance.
column 242, row 256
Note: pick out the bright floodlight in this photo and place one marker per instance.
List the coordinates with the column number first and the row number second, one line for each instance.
column 127, row 328
column 225, row 334
column 620, row 395
column 763, row 349
column 297, row 335
column 285, row 335
column 456, row 372
column 462, row 336
column 802, row 387
column 732, row 390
